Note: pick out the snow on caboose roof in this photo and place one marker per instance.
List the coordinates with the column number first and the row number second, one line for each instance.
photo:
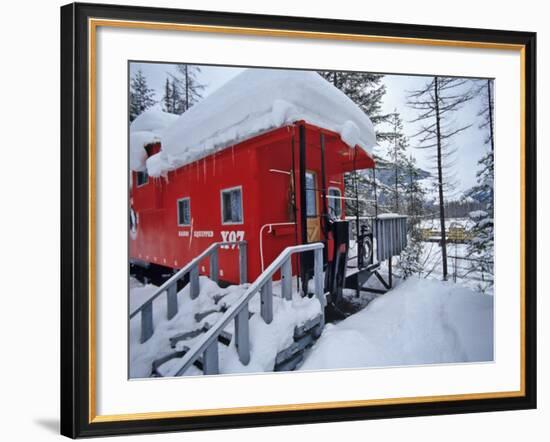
column 146, row 129
column 256, row 101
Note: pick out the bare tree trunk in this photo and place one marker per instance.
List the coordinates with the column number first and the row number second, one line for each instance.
column 411, row 194
column 396, row 194
column 186, row 88
column 440, row 185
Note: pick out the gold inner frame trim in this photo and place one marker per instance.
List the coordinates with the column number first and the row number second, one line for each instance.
column 93, row 24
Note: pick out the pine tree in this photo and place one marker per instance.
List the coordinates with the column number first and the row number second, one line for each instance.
column 485, row 90
column 435, row 103
column 366, row 91
column 480, row 248
column 141, row 96
column 186, row 87
column 396, row 153
column 414, row 192
column 410, row 260
column 177, row 105
column 167, row 103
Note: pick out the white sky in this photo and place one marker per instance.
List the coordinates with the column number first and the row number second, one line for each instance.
column 469, row 144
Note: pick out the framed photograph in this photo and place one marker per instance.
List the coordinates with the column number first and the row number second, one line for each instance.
column 274, row 220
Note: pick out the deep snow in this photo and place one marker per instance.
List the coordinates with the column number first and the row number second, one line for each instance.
column 421, row 321
column 254, row 102
column 144, row 130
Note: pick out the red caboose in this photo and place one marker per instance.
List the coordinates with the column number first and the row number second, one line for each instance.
column 262, row 159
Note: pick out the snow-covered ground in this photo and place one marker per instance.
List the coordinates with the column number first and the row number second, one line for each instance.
column 459, row 268
column 265, row 340
column 421, row 321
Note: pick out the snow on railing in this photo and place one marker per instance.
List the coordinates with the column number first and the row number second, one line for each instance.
column 171, row 286
column 207, row 344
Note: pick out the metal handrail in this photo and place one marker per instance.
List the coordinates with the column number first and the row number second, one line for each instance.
column 207, row 344
column 170, row 286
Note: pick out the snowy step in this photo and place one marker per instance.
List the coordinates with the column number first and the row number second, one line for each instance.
column 201, row 315
column 224, row 337
column 217, row 298
column 185, row 336
column 307, row 327
column 156, row 370
column 290, row 353
column 305, row 336
column 291, row 363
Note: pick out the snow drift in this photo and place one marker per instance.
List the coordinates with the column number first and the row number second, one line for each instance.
column 256, row 101
column 419, row 322
column 144, row 130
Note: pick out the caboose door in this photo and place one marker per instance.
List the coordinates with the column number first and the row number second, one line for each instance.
column 309, row 204
column 312, row 207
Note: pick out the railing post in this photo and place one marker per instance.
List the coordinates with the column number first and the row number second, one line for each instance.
column 210, row 359
column 242, row 335
column 171, row 301
column 243, row 276
column 214, row 272
column 266, row 295
column 194, row 281
column 318, row 277
column 146, row 322
column 286, row 279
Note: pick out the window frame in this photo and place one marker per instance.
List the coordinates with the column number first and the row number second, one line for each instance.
column 186, row 198
column 336, row 199
column 226, row 190
column 315, row 194
column 138, row 172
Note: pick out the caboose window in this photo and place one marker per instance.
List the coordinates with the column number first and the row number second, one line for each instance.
column 334, row 202
column 311, row 204
column 184, row 212
column 141, row 178
column 232, row 206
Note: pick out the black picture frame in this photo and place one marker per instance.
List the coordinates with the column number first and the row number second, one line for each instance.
column 76, row 403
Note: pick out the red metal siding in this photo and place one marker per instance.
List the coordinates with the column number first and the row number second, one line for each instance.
column 265, row 200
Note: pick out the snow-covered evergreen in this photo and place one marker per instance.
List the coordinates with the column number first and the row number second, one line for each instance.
column 414, row 190
column 481, row 247
column 410, row 259
column 396, row 149
column 141, row 96
column 367, row 91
